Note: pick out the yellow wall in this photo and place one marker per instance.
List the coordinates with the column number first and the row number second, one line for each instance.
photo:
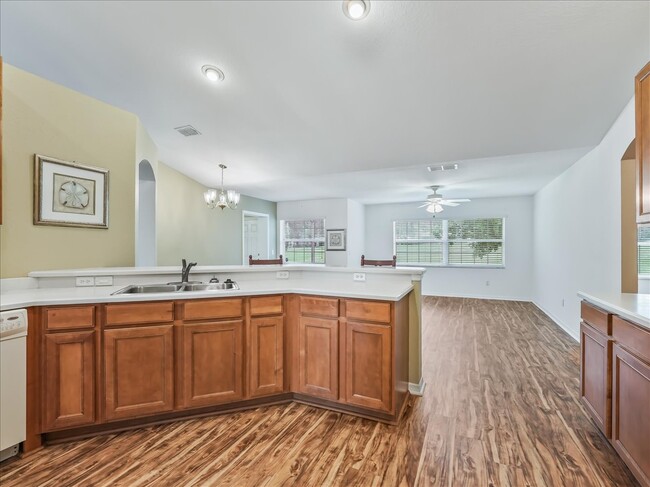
column 41, row 117
column 187, row 228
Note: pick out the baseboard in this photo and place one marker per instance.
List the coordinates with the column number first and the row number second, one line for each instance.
column 417, row 389
column 557, row 322
column 478, row 296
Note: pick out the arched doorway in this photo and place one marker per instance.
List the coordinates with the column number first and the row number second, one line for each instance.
column 145, row 238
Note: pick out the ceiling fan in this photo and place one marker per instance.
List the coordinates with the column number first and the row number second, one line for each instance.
column 435, row 202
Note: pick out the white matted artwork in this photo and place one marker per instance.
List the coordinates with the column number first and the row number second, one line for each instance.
column 335, row 239
column 69, row 194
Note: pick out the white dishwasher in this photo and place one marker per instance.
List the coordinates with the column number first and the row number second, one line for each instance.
column 13, row 381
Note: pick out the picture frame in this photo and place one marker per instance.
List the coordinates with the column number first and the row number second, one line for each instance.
column 69, row 194
column 335, row 239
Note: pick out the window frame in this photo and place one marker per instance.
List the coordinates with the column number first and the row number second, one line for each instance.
column 283, row 240
column 445, row 244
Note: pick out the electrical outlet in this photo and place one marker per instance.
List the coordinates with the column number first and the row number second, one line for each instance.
column 85, row 281
column 282, row 275
column 104, row 281
column 563, row 302
column 487, row 283
column 359, row 276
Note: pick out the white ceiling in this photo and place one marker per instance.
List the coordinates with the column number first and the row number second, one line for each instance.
column 316, row 105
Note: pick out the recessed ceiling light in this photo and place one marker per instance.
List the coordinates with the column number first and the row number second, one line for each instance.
column 356, row 9
column 213, row 73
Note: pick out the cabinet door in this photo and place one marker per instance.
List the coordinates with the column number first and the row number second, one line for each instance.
column 595, row 376
column 212, row 363
column 368, row 377
column 631, row 420
column 319, row 357
column 266, row 356
column 642, row 142
column 139, row 371
column 69, row 380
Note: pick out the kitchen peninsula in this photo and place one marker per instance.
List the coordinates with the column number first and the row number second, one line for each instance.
column 346, row 339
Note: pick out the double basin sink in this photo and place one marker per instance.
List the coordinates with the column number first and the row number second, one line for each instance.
column 177, row 287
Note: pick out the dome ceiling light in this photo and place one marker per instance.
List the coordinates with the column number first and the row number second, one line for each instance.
column 356, row 9
column 213, row 73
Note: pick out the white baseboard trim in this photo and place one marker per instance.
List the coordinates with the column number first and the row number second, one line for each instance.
column 478, row 296
column 558, row 322
column 417, row 389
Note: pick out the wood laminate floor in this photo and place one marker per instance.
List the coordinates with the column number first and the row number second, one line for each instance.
column 501, row 408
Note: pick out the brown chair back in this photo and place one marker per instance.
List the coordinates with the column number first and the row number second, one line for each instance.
column 379, row 263
column 252, row 261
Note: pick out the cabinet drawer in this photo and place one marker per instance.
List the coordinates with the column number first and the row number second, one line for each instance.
column 326, row 307
column 208, row 309
column 135, row 313
column 73, row 317
column 632, row 337
column 375, row 311
column 267, row 305
column 597, row 318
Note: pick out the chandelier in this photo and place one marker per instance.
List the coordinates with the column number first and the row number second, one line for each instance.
column 221, row 198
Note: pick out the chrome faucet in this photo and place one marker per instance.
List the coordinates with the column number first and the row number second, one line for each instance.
column 185, row 273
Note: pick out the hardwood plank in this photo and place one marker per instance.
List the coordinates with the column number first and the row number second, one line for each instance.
column 501, row 408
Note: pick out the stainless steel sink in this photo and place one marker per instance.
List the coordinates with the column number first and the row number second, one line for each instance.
column 176, row 287
column 210, row 287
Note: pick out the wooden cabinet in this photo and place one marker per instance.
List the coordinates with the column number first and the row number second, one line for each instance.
column 68, row 380
column 642, row 142
column 595, row 376
column 212, row 363
column 319, row 357
column 139, row 371
column 631, row 418
column 266, row 356
column 368, row 364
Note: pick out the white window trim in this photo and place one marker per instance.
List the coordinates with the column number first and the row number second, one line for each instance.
column 445, row 248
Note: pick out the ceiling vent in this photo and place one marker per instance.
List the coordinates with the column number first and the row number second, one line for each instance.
column 187, row 130
column 443, row 167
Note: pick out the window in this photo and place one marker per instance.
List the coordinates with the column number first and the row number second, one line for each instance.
column 644, row 250
column 303, row 241
column 477, row 242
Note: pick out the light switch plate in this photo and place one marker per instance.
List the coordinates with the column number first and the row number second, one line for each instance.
column 282, row 275
column 104, row 281
column 85, row 281
column 359, row 276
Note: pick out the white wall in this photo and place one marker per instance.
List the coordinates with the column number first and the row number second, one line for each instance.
column 145, row 232
column 577, row 228
column 338, row 213
column 512, row 282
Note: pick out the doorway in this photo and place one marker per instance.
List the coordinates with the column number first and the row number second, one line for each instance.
column 145, row 240
column 255, row 235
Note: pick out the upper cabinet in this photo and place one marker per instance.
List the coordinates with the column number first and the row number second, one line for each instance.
column 642, row 97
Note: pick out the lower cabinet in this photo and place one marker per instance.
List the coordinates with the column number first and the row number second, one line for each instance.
column 139, row 371
column 212, row 363
column 631, row 418
column 318, row 349
column 266, row 356
column 368, row 364
column 69, row 380
column 595, row 376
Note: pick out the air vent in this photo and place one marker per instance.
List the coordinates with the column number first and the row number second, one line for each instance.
column 187, row 130
column 443, row 167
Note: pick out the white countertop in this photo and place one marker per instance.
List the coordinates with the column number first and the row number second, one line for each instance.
column 633, row 307
column 385, row 291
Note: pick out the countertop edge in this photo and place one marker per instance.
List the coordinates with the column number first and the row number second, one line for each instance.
column 628, row 314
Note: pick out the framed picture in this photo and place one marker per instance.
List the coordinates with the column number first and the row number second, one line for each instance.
column 335, row 239
column 69, row 194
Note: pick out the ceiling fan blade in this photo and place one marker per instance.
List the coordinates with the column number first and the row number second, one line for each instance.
column 426, row 204
column 465, row 200
column 449, row 203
